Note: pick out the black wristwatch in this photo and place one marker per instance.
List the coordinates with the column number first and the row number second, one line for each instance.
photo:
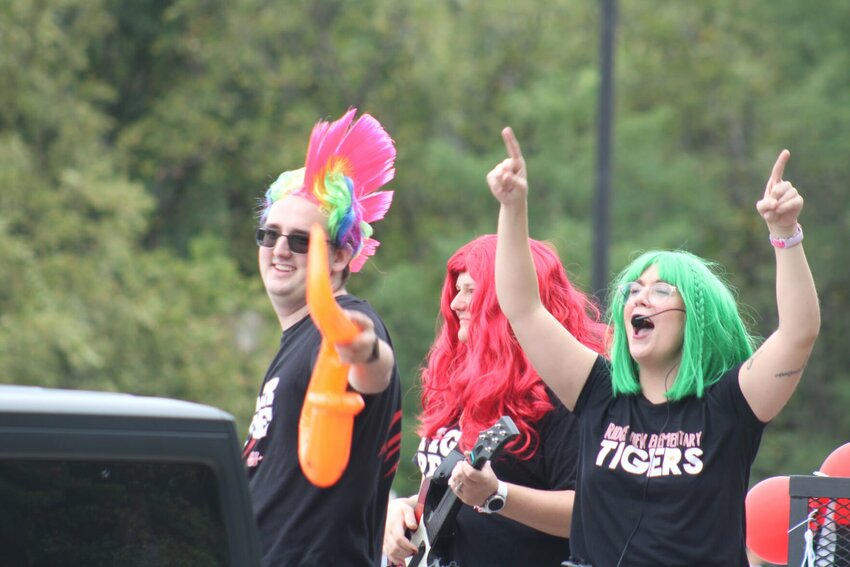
column 495, row 501
column 376, row 351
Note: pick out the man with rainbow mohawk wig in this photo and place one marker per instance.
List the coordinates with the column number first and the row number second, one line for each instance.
column 346, row 164
column 301, row 524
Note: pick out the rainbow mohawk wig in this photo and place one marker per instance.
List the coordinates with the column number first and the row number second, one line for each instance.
column 346, row 164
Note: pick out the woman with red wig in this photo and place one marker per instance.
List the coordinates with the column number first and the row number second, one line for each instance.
column 517, row 508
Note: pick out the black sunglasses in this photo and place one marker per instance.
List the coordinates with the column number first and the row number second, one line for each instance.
column 298, row 242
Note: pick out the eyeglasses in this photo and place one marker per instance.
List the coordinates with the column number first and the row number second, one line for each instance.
column 659, row 292
column 298, row 242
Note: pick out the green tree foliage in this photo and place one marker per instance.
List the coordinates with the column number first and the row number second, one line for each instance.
column 136, row 137
column 84, row 304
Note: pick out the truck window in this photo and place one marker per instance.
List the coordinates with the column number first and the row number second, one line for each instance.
column 104, row 513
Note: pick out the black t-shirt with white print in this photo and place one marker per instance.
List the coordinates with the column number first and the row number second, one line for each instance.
column 488, row 540
column 299, row 523
column 673, row 476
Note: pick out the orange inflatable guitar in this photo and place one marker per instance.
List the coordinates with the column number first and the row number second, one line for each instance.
column 327, row 417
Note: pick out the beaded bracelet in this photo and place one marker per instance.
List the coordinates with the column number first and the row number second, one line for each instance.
column 789, row 241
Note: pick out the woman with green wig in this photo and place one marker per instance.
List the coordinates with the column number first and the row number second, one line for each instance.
column 671, row 422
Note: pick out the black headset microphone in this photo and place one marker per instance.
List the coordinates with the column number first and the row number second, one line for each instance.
column 641, row 321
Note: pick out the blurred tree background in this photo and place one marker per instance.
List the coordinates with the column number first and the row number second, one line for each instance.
column 136, row 138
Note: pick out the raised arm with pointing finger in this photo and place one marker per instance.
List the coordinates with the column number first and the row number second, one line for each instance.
column 672, row 421
column 770, row 377
column 562, row 361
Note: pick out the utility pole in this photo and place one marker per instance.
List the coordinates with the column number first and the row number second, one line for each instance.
column 604, row 151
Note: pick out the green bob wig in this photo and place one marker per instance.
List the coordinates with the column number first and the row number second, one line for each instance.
column 715, row 338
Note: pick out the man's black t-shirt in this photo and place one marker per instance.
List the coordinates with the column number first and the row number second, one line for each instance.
column 299, row 523
column 671, row 476
column 485, row 540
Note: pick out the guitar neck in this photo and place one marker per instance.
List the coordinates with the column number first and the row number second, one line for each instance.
column 447, row 508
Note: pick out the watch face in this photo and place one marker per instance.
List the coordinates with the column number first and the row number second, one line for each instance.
column 496, row 503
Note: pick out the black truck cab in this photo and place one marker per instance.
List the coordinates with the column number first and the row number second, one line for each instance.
column 101, row 479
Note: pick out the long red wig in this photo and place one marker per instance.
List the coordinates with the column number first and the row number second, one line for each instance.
column 471, row 384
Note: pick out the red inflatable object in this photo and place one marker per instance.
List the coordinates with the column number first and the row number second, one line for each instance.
column 768, row 506
column 327, row 417
column 838, row 462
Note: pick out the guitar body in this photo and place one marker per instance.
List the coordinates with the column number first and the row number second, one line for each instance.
column 420, row 539
column 426, row 556
column 437, row 505
column 431, row 492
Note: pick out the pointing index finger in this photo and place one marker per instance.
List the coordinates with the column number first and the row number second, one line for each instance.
column 779, row 168
column 511, row 144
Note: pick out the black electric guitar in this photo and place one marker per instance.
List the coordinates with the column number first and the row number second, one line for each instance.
column 436, row 521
